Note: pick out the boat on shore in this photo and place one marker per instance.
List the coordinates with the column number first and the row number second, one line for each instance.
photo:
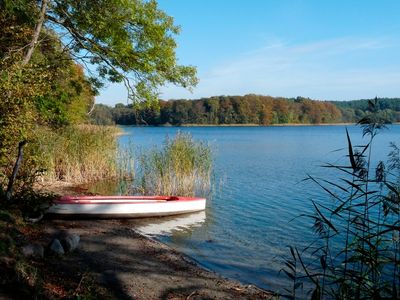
column 124, row 206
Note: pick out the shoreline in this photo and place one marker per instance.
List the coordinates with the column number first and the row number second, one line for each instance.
column 124, row 263
column 130, row 264
column 246, row 125
column 242, row 125
column 269, row 125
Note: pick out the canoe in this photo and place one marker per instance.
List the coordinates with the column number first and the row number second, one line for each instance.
column 124, row 206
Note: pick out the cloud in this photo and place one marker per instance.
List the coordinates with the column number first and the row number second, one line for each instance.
column 343, row 68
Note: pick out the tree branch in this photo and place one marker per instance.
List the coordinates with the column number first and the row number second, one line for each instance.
column 36, row 33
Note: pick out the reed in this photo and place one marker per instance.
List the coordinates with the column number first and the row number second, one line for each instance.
column 182, row 167
column 356, row 253
column 79, row 154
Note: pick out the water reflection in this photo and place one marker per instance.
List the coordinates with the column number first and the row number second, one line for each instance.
column 168, row 226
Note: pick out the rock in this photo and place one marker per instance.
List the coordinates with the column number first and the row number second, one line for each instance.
column 56, row 247
column 33, row 250
column 70, row 242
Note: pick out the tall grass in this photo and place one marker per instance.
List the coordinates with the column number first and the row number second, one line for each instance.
column 181, row 167
column 356, row 254
column 79, row 154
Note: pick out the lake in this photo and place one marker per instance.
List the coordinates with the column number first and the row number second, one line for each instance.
column 253, row 213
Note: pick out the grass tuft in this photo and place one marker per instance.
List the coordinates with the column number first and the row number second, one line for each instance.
column 79, row 154
column 182, row 167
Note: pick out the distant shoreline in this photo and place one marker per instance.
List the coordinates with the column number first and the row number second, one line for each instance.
column 258, row 125
column 248, row 125
column 239, row 125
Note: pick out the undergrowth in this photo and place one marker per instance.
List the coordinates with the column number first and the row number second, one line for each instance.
column 38, row 278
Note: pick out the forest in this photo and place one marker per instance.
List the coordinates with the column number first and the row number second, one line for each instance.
column 248, row 109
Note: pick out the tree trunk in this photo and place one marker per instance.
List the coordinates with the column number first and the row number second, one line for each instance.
column 36, row 33
column 92, row 107
column 15, row 171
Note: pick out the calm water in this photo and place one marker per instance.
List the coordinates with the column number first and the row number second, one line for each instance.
column 251, row 217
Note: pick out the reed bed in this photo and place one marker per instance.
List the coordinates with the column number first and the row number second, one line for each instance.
column 182, row 167
column 356, row 254
column 79, row 154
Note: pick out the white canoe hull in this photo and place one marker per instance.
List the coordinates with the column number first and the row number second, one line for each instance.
column 125, row 206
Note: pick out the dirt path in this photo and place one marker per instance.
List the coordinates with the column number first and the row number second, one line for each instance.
column 132, row 266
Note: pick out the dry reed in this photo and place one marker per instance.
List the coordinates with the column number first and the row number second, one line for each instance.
column 181, row 167
column 79, row 154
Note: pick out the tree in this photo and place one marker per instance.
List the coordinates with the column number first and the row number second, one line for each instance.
column 119, row 41
column 41, row 43
column 102, row 115
column 128, row 41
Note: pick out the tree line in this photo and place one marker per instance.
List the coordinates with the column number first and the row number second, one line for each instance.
column 248, row 109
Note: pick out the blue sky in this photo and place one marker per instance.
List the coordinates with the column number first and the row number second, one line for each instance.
column 327, row 50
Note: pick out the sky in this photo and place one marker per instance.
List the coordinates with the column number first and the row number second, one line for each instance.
column 325, row 50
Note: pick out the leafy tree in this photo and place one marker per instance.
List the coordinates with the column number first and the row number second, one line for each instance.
column 128, row 41
column 102, row 115
column 41, row 43
column 17, row 114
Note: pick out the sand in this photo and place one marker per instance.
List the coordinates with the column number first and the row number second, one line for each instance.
column 132, row 266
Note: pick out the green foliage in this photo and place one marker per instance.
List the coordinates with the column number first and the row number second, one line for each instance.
column 129, row 41
column 357, row 109
column 44, row 92
column 17, row 20
column 182, row 167
column 101, row 115
column 17, row 114
column 357, row 250
column 32, row 203
column 71, row 95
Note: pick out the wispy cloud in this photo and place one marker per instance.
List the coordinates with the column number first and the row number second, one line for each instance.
column 340, row 68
